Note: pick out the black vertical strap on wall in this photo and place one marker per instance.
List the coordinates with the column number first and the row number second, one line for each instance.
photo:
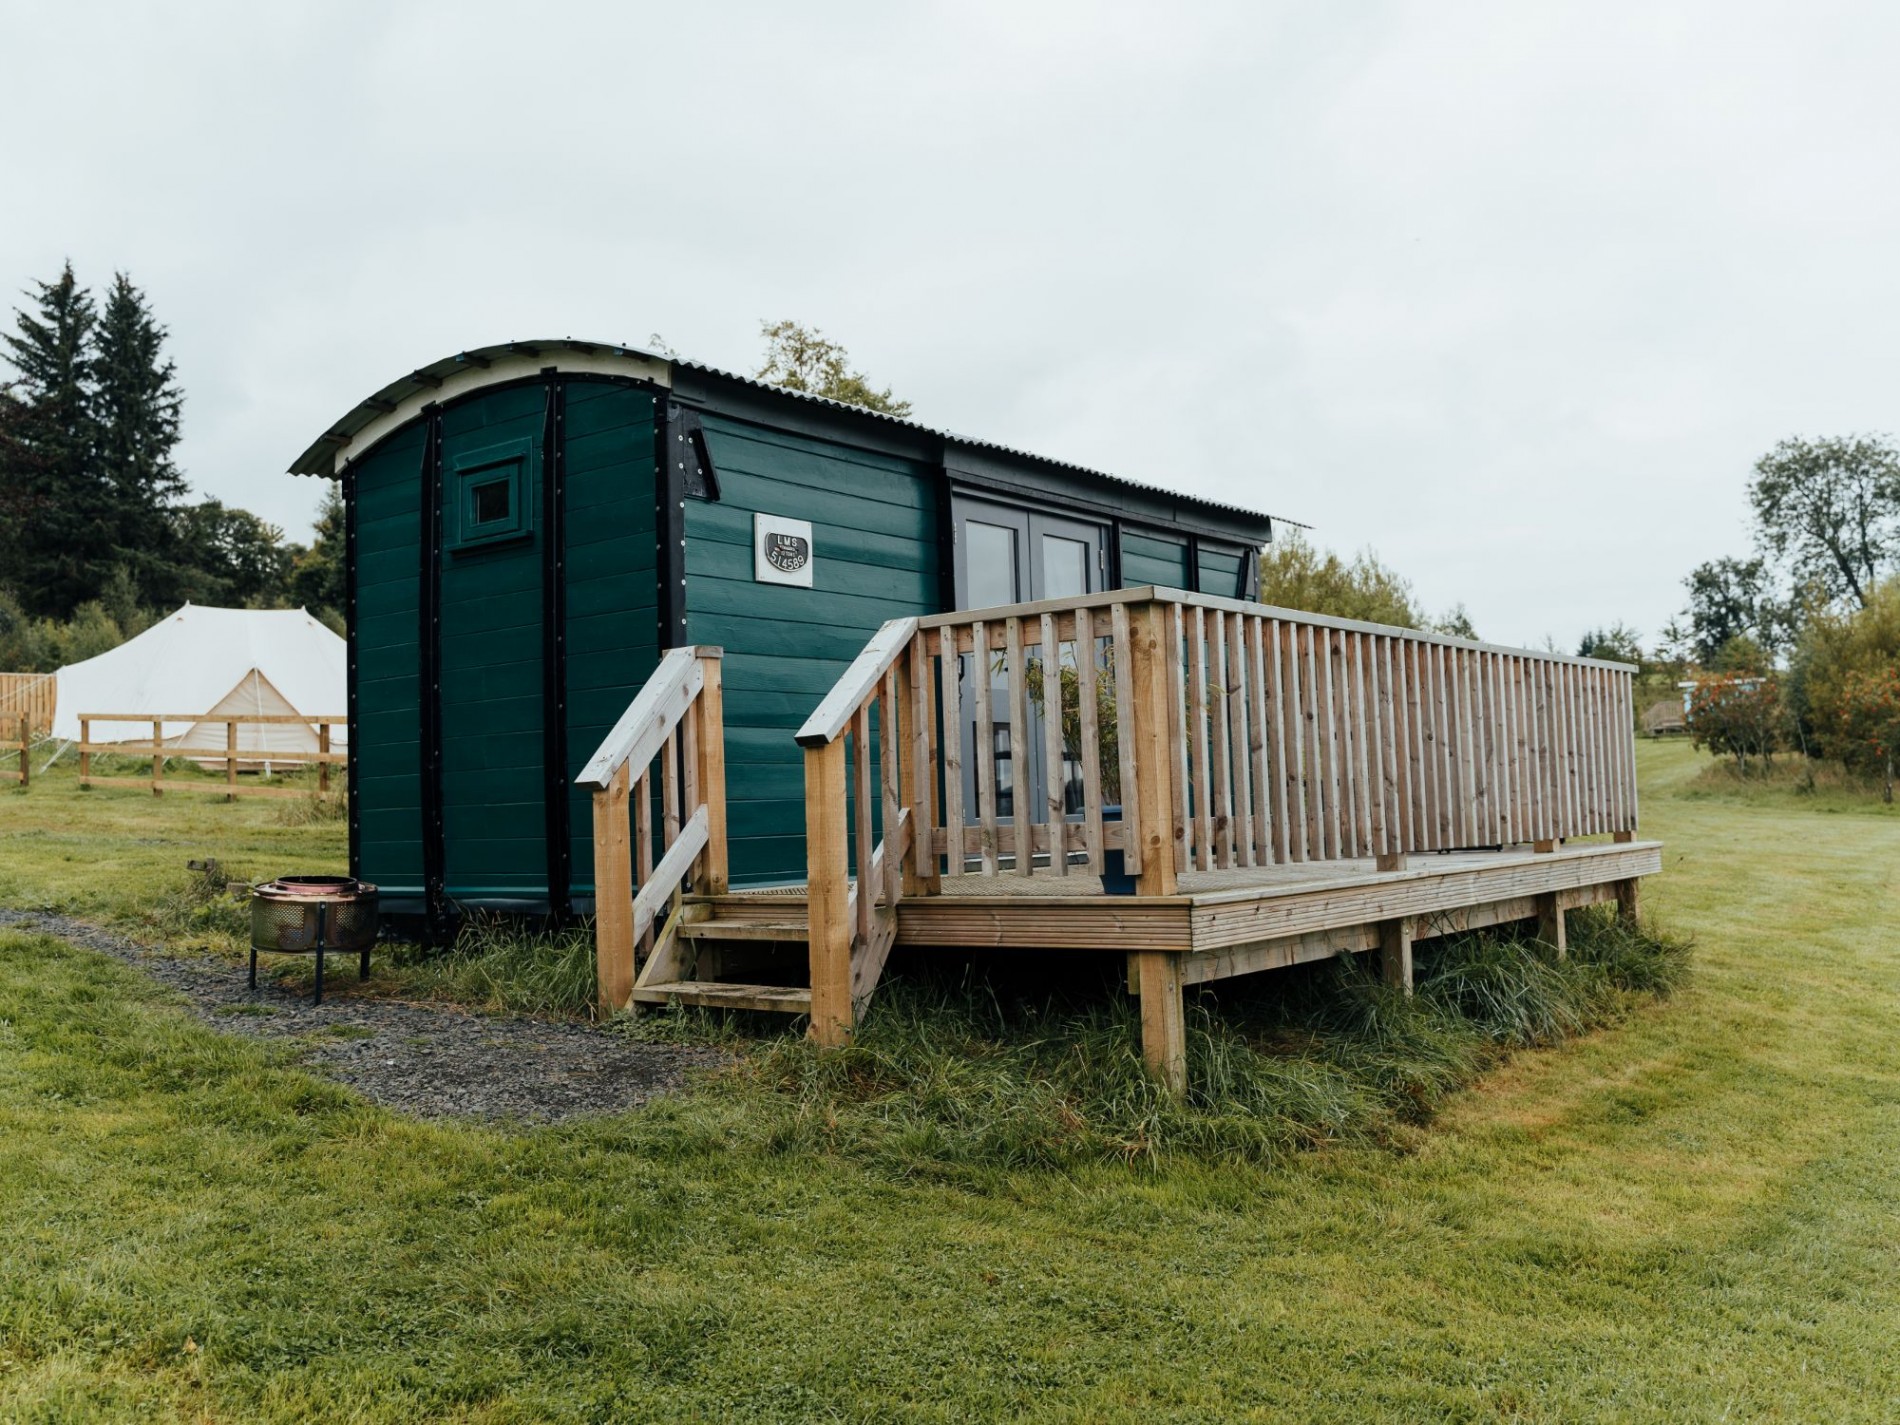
column 429, row 606
column 946, row 510
column 352, row 804
column 554, row 647
column 669, row 524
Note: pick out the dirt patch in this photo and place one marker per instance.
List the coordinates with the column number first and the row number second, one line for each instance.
column 435, row 1061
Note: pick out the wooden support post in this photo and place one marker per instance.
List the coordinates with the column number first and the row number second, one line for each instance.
column 1550, row 924
column 827, row 905
column 230, row 761
column 710, row 751
column 1157, row 975
column 323, row 762
column 1629, row 902
column 1391, row 861
column 1623, row 838
column 1395, row 952
column 613, row 894
column 1544, row 848
column 85, row 754
column 158, row 757
column 1154, row 771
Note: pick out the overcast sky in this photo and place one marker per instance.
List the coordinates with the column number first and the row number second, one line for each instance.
column 1512, row 293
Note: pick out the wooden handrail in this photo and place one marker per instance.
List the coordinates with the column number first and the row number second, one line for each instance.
column 651, row 717
column 676, row 720
column 858, row 684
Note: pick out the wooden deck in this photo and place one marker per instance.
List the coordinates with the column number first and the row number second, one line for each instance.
column 1281, row 787
column 1254, row 918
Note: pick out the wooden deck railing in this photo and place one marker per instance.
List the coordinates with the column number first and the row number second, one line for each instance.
column 852, row 921
column 676, row 721
column 160, row 750
column 1227, row 734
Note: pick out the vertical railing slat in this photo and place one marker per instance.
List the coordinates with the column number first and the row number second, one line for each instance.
column 1220, row 714
column 950, row 678
column 1022, row 795
column 861, row 835
column 983, row 745
column 1056, row 801
column 1179, row 778
column 1086, row 654
column 1124, row 646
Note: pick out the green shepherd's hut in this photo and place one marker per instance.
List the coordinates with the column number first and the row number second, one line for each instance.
column 529, row 526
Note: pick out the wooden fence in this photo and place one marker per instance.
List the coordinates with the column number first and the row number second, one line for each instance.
column 29, row 695
column 160, row 751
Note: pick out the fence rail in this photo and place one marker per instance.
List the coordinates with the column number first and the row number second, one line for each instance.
column 160, row 750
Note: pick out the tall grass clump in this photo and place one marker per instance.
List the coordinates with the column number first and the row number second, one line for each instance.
column 504, row 965
column 946, row 1076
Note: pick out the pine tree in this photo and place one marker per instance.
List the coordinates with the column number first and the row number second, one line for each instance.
column 138, row 402
column 67, row 545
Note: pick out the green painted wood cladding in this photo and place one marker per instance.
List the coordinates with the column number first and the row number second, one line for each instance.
column 510, row 653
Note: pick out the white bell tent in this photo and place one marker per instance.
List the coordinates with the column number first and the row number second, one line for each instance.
column 203, row 662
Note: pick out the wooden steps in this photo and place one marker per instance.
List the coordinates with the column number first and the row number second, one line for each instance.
column 717, row 994
column 791, row 932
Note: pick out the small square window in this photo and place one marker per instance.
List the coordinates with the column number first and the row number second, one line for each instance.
column 489, row 502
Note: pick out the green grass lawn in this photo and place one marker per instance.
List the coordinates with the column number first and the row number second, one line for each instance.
column 1693, row 1216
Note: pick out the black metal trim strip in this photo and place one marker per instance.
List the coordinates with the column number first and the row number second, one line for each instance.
column 429, row 612
column 554, row 648
column 353, row 808
column 947, row 550
column 669, row 525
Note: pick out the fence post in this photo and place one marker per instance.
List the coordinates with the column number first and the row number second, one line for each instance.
column 613, row 894
column 26, row 764
column 1147, row 724
column 158, row 757
column 827, row 890
column 85, row 752
column 230, row 759
column 710, row 749
column 323, row 765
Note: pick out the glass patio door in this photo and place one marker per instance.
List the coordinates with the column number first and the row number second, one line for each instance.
column 1010, row 555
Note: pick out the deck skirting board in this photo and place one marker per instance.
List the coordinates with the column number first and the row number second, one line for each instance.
column 1204, row 966
column 1235, row 921
column 1111, row 923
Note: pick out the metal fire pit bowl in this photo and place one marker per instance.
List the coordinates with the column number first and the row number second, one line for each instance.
column 299, row 915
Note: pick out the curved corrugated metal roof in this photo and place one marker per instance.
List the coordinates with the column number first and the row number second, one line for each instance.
column 468, row 370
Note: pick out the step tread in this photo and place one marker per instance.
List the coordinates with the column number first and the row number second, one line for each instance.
column 745, row 930
column 785, row 999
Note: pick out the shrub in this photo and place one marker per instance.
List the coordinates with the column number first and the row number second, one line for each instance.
column 1867, row 723
column 1739, row 717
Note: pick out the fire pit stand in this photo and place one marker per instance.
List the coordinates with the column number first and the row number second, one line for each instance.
column 296, row 915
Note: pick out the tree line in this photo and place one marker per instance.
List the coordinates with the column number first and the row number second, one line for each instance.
column 1796, row 646
column 99, row 531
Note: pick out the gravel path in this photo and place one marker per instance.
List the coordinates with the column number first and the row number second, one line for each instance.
column 435, row 1061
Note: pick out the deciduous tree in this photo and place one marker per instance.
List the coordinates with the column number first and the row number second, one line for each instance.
column 1830, row 510
column 802, row 358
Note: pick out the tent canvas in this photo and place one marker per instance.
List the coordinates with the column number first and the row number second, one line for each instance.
column 193, row 660
column 254, row 696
